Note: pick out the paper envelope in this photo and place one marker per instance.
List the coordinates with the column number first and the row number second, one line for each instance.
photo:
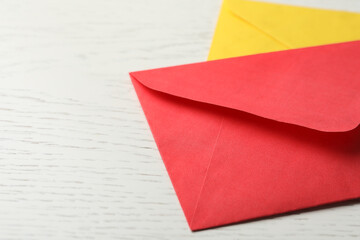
column 248, row 27
column 258, row 135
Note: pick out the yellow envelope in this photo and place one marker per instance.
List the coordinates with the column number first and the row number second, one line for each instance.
column 247, row 27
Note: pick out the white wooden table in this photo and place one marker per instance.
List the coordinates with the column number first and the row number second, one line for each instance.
column 77, row 159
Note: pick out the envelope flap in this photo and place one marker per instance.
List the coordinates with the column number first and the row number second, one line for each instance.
column 316, row 87
column 294, row 26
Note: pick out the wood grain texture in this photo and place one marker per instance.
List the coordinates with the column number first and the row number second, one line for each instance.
column 77, row 159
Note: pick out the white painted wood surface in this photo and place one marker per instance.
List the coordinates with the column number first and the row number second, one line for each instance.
column 77, row 159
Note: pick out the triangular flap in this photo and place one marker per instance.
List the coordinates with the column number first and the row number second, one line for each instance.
column 185, row 134
column 298, row 26
column 313, row 87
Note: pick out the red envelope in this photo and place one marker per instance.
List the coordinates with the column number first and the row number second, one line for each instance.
column 259, row 135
